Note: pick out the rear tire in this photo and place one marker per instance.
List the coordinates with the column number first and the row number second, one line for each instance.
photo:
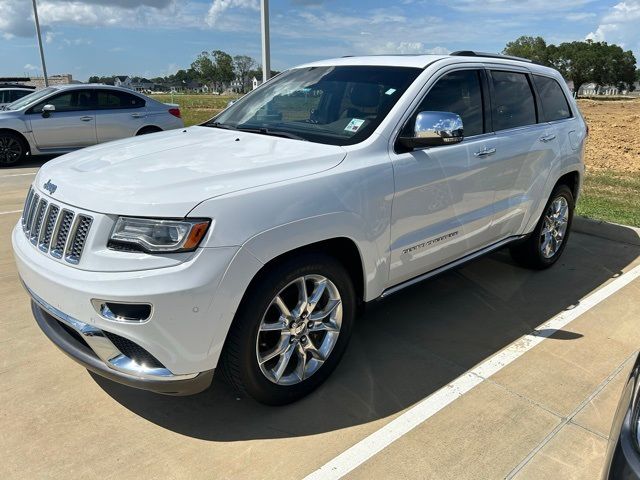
column 545, row 244
column 277, row 350
column 13, row 149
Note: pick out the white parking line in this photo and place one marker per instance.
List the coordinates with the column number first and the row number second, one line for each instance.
column 18, row 175
column 380, row 439
column 11, row 211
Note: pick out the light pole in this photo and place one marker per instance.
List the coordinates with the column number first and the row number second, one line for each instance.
column 44, row 67
column 266, row 54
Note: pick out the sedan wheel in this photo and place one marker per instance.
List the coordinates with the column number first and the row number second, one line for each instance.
column 11, row 150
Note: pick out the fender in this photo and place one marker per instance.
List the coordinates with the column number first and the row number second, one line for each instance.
column 271, row 243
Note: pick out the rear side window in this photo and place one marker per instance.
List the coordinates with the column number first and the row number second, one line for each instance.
column 554, row 103
column 110, row 99
column 513, row 102
column 457, row 92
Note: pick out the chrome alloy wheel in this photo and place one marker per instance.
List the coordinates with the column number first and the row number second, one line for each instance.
column 556, row 221
column 299, row 330
column 10, row 150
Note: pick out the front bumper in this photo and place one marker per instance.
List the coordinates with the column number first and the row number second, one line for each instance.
column 92, row 349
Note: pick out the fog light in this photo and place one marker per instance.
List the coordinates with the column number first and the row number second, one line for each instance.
column 122, row 312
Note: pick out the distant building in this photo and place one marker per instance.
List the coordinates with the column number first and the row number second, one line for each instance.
column 255, row 83
column 38, row 82
column 123, row 81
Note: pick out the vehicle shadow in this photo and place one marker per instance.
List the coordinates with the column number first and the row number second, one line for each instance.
column 404, row 348
column 31, row 162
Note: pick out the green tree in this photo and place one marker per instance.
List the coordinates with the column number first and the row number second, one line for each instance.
column 242, row 65
column 533, row 48
column 204, row 68
column 223, row 68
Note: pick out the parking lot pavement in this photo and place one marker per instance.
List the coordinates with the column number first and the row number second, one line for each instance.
column 544, row 415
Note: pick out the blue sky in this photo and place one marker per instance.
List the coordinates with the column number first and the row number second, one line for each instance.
column 156, row 37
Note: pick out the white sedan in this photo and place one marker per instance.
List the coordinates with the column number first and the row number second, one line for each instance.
column 61, row 119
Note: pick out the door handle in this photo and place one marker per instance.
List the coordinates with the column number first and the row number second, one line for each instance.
column 137, row 115
column 86, row 119
column 547, row 138
column 485, row 152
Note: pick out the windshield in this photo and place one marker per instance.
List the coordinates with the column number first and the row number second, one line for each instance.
column 29, row 99
column 332, row 105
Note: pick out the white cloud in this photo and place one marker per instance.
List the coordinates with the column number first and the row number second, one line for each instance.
column 620, row 25
column 580, row 16
column 518, row 6
column 218, row 7
column 30, row 67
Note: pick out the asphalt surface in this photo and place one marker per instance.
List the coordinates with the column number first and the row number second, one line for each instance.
column 544, row 415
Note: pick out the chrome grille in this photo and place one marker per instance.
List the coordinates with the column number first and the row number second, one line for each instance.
column 55, row 230
column 34, row 233
column 47, row 233
column 82, row 225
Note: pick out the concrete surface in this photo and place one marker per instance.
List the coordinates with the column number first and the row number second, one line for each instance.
column 546, row 415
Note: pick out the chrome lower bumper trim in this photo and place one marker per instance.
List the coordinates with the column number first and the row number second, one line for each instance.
column 106, row 350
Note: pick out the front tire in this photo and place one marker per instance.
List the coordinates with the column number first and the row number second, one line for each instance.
column 292, row 328
column 548, row 240
column 13, row 149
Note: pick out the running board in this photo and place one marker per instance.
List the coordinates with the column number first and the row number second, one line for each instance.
column 449, row 266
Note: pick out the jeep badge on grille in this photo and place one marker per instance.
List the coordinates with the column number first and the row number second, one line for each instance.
column 50, row 187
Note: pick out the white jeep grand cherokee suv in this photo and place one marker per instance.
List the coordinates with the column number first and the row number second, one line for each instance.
column 249, row 243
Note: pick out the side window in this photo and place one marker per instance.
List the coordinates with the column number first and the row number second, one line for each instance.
column 72, row 101
column 457, row 92
column 18, row 94
column 554, row 102
column 4, row 96
column 111, row 99
column 513, row 102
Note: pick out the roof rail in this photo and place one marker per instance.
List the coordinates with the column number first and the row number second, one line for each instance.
column 471, row 53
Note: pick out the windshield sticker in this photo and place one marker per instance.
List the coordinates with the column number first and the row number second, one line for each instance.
column 391, row 91
column 354, row 125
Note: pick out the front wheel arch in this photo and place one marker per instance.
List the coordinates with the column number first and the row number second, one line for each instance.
column 23, row 140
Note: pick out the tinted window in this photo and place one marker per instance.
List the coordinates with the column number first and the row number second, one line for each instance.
column 513, row 103
column 457, row 92
column 72, row 101
column 111, row 99
column 554, row 103
column 17, row 94
column 4, row 97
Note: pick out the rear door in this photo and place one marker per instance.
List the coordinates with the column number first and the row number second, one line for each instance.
column 119, row 115
column 442, row 209
column 72, row 125
column 526, row 147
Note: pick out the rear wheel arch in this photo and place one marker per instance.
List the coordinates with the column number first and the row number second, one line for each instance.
column 148, row 129
column 571, row 180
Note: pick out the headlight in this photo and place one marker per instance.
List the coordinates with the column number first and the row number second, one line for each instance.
column 158, row 236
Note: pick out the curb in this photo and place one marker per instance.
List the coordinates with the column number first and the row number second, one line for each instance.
column 608, row 230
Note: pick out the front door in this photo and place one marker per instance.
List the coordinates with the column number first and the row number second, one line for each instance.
column 72, row 125
column 443, row 205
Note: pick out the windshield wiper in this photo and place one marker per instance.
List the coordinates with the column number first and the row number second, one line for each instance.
column 273, row 133
column 219, row 125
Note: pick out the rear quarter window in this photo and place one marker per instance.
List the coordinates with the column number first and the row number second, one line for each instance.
column 554, row 102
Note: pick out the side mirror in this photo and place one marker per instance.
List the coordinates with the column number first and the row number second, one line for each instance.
column 433, row 129
column 47, row 109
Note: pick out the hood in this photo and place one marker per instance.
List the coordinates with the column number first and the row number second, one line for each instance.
column 169, row 173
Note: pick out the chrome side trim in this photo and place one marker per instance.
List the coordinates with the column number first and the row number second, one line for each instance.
column 105, row 350
column 448, row 266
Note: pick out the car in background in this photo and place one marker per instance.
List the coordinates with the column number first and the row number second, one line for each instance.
column 61, row 119
column 623, row 452
column 10, row 95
